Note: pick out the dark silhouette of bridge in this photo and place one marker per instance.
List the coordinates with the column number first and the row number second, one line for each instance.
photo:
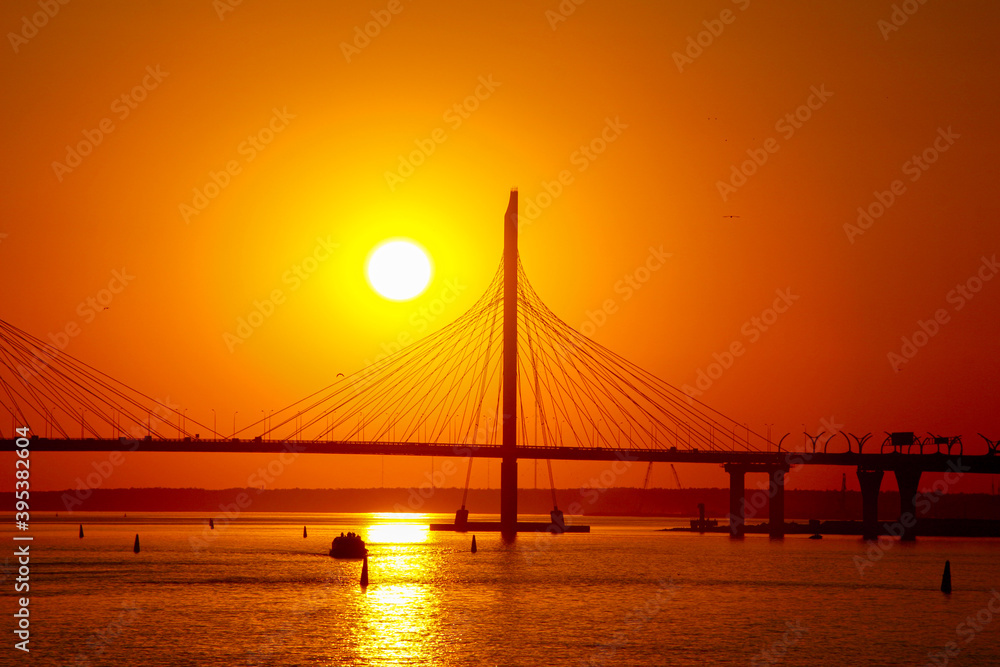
column 508, row 380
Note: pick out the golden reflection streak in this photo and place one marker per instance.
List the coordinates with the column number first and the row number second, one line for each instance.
column 397, row 533
column 397, row 611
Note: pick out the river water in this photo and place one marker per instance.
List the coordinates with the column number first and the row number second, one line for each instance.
column 255, row 592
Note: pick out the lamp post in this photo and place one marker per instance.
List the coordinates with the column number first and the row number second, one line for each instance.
column 215, row 423
column 234, row 422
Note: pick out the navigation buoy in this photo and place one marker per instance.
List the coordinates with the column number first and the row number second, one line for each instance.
column 473, row 544
column 364, row 573
column 135, row 549
column 304, row 533
column 211, row 524
column 946, row 578
column 81, row 531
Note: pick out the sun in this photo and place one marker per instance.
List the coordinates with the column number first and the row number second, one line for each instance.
column 399, row 270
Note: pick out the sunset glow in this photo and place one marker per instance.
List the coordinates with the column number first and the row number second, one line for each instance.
column 398, row 270
column 548, row 332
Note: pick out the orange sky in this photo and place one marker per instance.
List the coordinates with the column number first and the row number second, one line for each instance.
column 308, row 129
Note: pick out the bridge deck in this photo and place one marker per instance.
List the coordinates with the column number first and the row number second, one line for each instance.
column 938, row 462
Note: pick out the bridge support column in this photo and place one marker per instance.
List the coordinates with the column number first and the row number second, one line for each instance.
column 871, row 482
column 508, row 498
column 737, row 499
column 461, row 519
column 908, row 482
column 776, row 505
column 508, row 465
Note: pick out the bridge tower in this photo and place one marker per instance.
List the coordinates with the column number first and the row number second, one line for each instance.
column 508, row 463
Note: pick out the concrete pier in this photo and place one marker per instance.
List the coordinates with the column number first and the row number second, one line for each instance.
column 908, row 481
column 740, row 510
column 776, row 505
column 737, row 500
column 871, row 482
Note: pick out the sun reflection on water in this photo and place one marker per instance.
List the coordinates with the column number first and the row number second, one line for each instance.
column 397, row 610
column 397, row 533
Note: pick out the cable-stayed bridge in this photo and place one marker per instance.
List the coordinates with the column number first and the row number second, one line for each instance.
column 508, row 379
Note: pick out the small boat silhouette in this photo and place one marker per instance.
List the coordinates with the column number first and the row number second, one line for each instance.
column 348, row 546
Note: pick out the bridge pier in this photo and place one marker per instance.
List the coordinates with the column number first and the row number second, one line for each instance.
column 737, row 499
column 461, row 519
column 776, row 505
column 908, row 482
column 871, row 482
column 508, row 498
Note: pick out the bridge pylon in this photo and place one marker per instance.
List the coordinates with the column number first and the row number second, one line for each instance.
column 508, row 463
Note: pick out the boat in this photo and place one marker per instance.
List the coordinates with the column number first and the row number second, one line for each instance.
column 348, row 546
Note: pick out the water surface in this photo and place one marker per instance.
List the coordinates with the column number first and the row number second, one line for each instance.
column 254, row 592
